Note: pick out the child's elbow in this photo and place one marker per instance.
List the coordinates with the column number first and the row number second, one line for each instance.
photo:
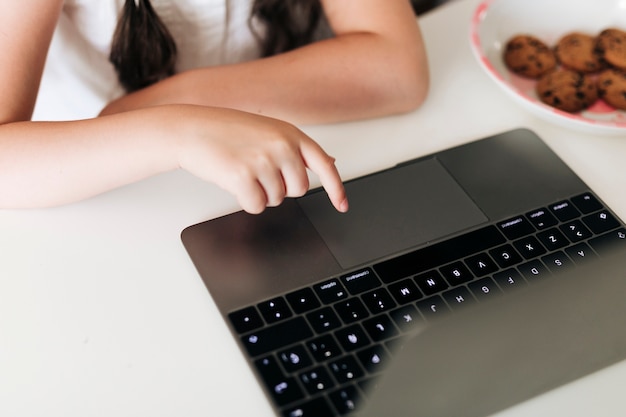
column 411, row 88
column 412, row 96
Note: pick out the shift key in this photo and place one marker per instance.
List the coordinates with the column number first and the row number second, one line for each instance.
column 282, row 334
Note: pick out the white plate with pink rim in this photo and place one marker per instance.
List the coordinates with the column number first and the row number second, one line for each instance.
column 495, row 21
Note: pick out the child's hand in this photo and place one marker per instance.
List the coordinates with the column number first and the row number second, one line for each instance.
column 258, row 159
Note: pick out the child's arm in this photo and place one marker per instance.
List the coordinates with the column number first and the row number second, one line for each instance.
column 258, row 159
column 26, row 28
column 375, row 65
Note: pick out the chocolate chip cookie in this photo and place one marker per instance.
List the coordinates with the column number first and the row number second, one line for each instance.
column 528, row 56
column 577, row 51
column 612, row 87
column 610, row 45
column 567, row 90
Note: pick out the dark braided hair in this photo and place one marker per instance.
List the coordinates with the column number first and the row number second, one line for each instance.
column 144, row 52
column 289, row 23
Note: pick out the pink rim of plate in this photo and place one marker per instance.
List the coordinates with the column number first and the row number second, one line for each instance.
column 478, row 16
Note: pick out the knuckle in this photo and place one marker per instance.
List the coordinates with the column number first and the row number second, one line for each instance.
column 252, row 204
column 276, row 201
column 241, row 176
column 282, row 146
column 328, row 161
column 276, row 197
column 299, row 188
column 263, row 162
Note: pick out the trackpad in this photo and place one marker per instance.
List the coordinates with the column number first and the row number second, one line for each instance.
column 392, row 211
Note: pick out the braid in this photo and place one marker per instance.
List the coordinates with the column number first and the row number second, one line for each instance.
column 143, row 51
column 289, row 23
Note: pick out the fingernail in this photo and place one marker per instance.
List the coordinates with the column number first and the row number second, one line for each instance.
column 343, row 207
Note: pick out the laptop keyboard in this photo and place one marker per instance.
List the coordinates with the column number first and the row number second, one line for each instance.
column 318, row 348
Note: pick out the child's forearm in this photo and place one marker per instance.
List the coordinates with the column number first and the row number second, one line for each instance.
column 258, row 159
column 318, row 83
column 51, row 163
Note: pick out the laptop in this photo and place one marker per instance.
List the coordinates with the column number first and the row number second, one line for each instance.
column 508, row 350
column 322, row 303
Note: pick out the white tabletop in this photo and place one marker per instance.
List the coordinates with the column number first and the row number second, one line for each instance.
column 103, row 314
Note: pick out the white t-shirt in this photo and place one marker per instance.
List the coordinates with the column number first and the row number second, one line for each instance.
column 78, row 79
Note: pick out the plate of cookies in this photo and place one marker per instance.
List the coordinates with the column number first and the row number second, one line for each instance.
column 563, row 60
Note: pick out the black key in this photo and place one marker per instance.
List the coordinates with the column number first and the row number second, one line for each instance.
column 609, row 241
column 552, row 239
column 509, row 279
column 431, row 282
column 352, row 337
column 484, row 289
column 313, row 408
column 276, row 336
column 345, row 369
column 601, row 222
column 481, row 264
column 373, row 358
column 346, row 400
column 586, row 203
column 433, row 307
column 294, row 358
column 564, row 211
column 405, row 291
column 529, row 247
column 316, row 380
column 406, row 318
column 534, row 270
column 456, row 273
column 269, row 370
column 580, row 253
column 351, row 310
column 505, row 256
column 283, row 389
column 360, row 281
column 380, row 328
column 378, row 301
column 330, row 291
column 430, row 257
column 575, row 231
column 274, row 310
column 303, row 300
column 541, row 218
column 516, row 227
column 324, row 348
column 323, row 320
column 246, row 319
column 286, row 392
column 557, row 261
column 458, row 297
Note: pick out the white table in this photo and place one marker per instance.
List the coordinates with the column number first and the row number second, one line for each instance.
column 103, row 314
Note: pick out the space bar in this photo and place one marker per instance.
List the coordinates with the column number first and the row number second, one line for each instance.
column 438, row 254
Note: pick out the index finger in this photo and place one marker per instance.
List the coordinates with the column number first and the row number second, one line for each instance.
column 323, row 165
